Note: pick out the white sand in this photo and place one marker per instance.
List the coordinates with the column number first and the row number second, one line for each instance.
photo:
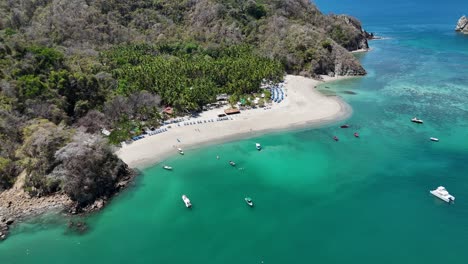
column 302, row 107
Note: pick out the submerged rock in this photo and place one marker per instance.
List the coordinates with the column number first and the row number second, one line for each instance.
column 3, row 231
column 462, row 25
column 78, row 226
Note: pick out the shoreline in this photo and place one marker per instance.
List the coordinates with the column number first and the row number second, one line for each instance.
column 303, row 107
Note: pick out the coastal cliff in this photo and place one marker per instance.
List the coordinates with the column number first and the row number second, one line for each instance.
column 462, row 25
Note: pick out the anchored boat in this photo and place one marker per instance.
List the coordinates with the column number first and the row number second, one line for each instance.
column 249, row 201
column 416, row 120
column 258, row 146
column 232, row 163
column 443, row 194
column 434, row 139
column 167, row 167
column 181, row 152
column 186, row 200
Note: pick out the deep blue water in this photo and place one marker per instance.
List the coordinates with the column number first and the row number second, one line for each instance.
column 397, row 12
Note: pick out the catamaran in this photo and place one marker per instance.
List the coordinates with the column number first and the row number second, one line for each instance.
column 443, row 194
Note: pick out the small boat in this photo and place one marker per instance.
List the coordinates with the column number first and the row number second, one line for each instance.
column 416, row 120
column 443, row 194
column 258, row 146
column 249, row 201
column 167, row 167
column 232, row 163
column 344, row 126
column 181, row 152
column 186, row 200
column 356, row 134
column 335, row 138
column 434, row 139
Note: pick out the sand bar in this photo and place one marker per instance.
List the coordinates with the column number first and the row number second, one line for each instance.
column 302, row 107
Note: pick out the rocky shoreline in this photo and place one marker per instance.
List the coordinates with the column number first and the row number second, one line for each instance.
column 16, row 205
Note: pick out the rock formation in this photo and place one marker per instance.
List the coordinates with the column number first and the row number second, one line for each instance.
column 462, row 25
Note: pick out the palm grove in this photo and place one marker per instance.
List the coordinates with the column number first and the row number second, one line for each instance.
column 70, row 68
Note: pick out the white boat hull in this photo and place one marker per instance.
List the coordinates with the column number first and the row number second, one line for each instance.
column 446, row 198
column 186, row 200
column 418, row 121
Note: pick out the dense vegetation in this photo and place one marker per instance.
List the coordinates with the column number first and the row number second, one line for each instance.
column 70, row 68
column 187, row 76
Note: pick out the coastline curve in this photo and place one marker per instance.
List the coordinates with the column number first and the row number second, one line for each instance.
column 303, row 107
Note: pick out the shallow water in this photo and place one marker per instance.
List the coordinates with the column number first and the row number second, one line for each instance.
column 359, row 200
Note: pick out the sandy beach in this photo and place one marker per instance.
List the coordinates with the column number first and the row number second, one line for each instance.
column 303, row 106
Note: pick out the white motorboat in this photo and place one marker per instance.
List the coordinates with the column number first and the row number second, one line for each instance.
column 186, row 200
column 443, row 194
column 181, row 152
column 167, row 167
column 434, row 139
column 416, row 120
column 258, row 146
column 232, row 163
column 249, row 201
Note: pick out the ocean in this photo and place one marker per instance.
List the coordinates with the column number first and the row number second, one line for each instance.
column 358, row 200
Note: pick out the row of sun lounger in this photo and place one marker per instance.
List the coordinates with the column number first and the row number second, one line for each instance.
column 277, row 94
column 161, row 130
column 204, row 121
column 157, row 131
column 150, row 133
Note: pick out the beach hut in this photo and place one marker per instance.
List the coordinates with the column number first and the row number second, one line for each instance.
column 168, row 110
column 232, row 111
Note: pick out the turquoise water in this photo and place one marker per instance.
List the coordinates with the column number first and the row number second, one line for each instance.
column 360, row 200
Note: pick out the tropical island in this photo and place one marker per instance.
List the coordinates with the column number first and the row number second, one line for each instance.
column 79, row 78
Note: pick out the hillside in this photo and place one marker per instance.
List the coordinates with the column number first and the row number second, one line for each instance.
column 293, row 31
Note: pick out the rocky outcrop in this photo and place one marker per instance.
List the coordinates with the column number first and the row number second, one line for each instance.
column 344, row 64
column 17, row 205
column 349, row 33
column 462, row 25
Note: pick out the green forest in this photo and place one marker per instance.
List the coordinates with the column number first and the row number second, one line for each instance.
column 71, row 68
